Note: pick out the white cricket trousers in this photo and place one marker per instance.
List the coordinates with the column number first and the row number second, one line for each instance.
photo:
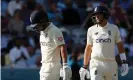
column 50, row 71
column 103, row 70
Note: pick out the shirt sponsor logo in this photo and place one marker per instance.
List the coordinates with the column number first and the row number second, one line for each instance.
column 107, row 40
column 44, row 43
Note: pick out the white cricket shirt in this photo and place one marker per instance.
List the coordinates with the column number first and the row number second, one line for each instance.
column 50, row 39
column 14, row 54
column 103, row 40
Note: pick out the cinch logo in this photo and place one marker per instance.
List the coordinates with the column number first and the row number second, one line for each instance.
column 108, row 40
column 44, row 43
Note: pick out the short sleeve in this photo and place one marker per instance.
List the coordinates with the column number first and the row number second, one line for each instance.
column 58, row 37
column 117, row 35
column 89, row 37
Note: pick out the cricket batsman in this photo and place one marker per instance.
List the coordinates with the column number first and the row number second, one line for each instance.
column 52, row 44
column 99, row 51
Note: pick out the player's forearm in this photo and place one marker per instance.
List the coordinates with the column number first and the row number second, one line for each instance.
column 122, row 52
column 87, row 55
column 64, row 53
column 120, row 47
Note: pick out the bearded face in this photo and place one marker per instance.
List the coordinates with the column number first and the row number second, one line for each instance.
column 98, row 18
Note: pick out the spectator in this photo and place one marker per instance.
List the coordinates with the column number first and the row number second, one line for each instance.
column 124, row 4
column 95, row 3
column 88, row 22
column 4, row 6
column 81, row 8
column 123, row 34
column 24, row 46
column 5, row 56
column 38, row 60
column 30, row 4
column 130, row 46
column 4, row 24
column 42, row 2
column 25, row 14
column 13, row 5
column 127, row 23
column 75, row 62
column 70, row 15
column 16, row 25
column 81, row 3
column 79, row 35
column 5, row 61
column 38, row 53
column 66, row 35
column 17, row 58
column 5, row 36
column 61, row 4
column 89, row 7
column 37, row 47
column 112, row 19
column 69, row 45
column 31, row 38
column 27, row 8
column 106, row 2
column 31, row 61
column 120, row 14
column 54, row 15
column 130, row 14
column 40, row 7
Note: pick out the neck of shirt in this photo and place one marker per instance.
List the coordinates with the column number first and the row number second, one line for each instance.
column 105, row 26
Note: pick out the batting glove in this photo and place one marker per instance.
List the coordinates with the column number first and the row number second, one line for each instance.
column 66, row 72
column 84, row 72
column 124, row 68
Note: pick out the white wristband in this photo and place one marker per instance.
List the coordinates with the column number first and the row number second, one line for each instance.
column 64, row 64
column 123, row 56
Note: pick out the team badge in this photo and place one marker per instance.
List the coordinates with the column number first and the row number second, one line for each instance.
column 60, row 38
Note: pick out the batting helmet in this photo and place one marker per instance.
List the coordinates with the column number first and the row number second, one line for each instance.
column 38, row 17
column 101, row 9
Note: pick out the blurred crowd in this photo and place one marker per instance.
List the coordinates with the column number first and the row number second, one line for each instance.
column 20, row 46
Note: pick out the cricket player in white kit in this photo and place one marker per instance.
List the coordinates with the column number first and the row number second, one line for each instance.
column 99, row 51
column 52, row 43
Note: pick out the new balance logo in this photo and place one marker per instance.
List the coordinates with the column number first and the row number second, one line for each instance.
column 108, row 40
